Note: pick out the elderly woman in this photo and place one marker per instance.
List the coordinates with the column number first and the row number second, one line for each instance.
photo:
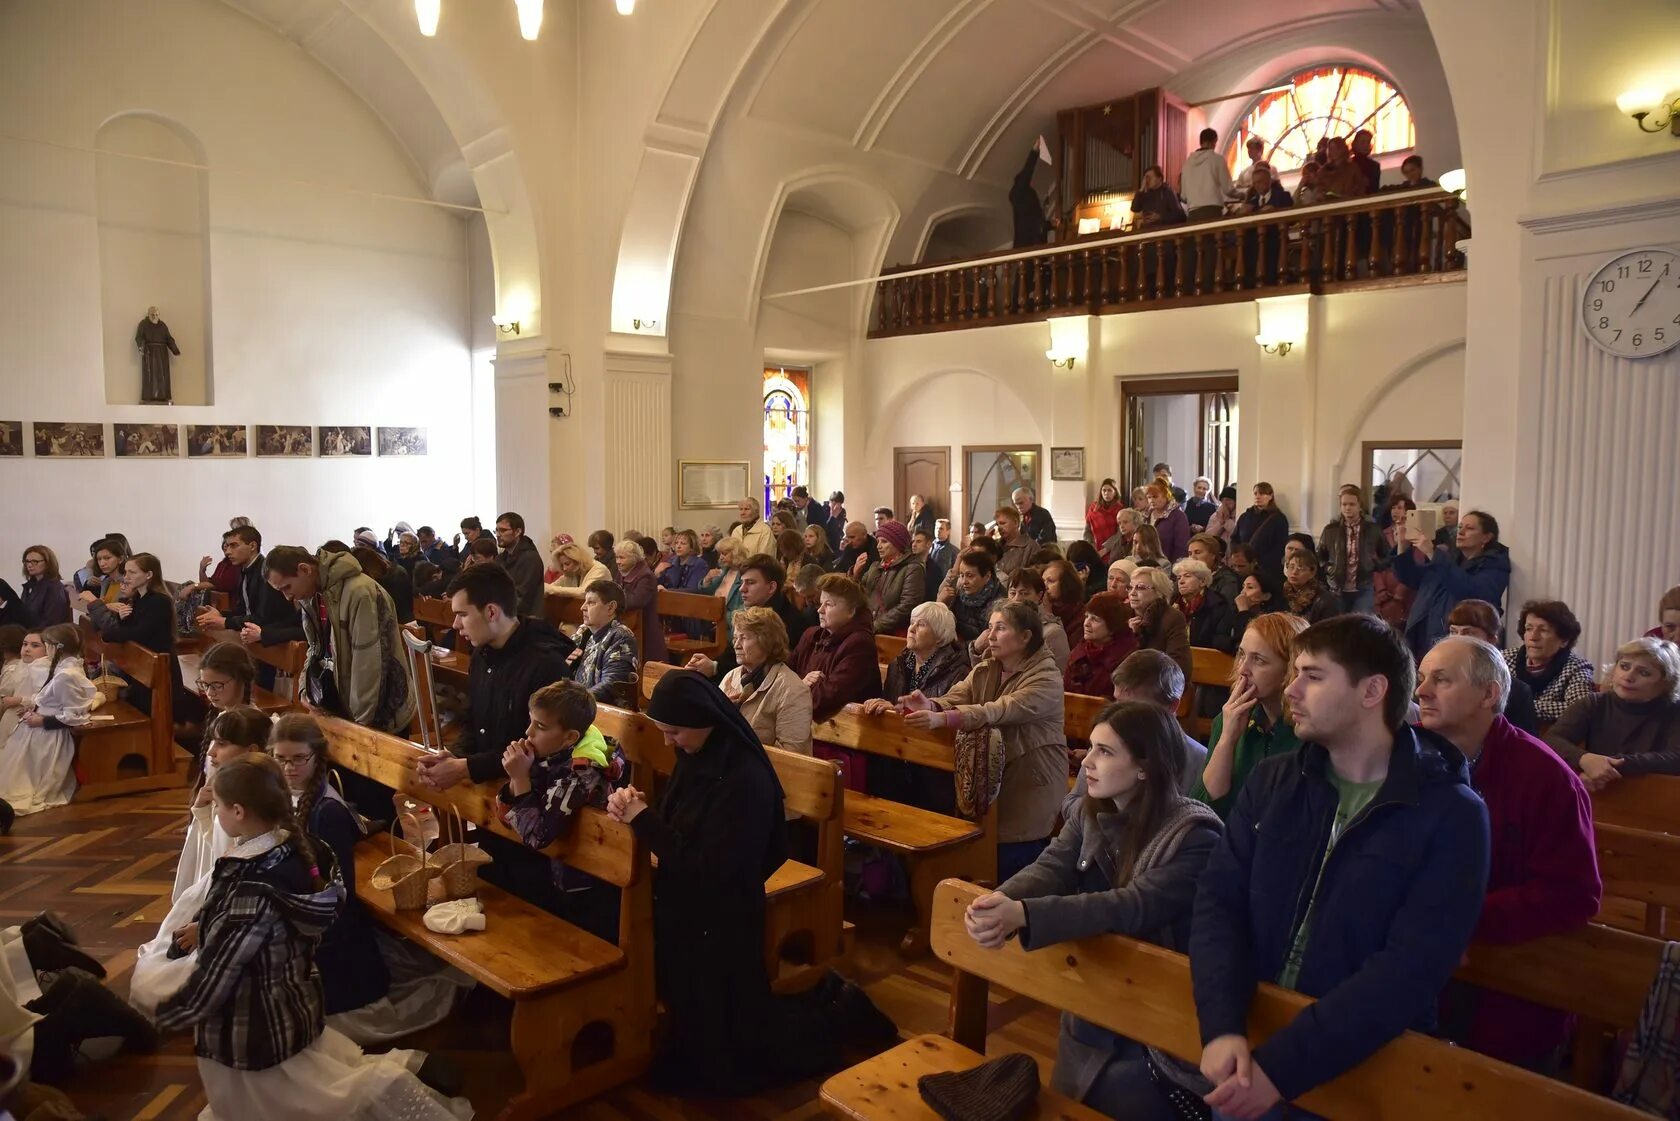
column 1104, row 643
column 973, row 591
column 1634, row 728
column 1546, row 661
column 605, row 659
column 724, row 580
column 1206, row 610
column 763, row 686
column 1156, row 622
column 641, row 593
column 837, row 661
column 1478, row 618
column 1169, row 520
column 933, row 661
column 1200, row 507
column 578, row 569
column 1668, row 616
column 896, row 581
column 1304, row 594
column 1126, row 524
column 709, row 538
column 1016, row 690
column 1120, row 576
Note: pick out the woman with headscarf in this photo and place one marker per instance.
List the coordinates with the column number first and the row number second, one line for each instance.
column 719, row 833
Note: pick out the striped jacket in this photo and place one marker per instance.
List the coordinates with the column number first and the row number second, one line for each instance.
column 254, row 997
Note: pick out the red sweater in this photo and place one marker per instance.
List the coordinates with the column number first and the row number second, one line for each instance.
column 1542, row 878
column 851, row 670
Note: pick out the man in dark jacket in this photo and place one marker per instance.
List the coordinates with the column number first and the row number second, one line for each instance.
column 1352, row 870
column 259, row 613
column 1036, row 521
column 439, row 552
column 855, row 542
column 811, row 513
column 522, row 561
column 1031, row 227
column 835, row 524
column 762, row 578
column 1355, row 535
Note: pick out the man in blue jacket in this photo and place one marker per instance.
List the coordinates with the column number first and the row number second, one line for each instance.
column 1352, row 871
column 1481, row 569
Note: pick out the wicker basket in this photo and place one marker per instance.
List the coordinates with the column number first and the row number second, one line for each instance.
column 405, row 876
column 459, row 863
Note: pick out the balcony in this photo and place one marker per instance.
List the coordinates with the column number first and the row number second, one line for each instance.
column 1396, row 238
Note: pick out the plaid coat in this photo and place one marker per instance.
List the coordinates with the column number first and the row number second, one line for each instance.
column 255, row 997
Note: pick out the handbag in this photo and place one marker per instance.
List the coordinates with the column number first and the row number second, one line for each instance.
column 978, row 770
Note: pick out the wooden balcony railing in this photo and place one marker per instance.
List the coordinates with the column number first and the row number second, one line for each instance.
column 1401, row 237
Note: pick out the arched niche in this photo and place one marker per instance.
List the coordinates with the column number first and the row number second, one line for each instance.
column 154, row 251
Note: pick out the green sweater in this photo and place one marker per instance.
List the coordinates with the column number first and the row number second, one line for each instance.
column 1254, row 746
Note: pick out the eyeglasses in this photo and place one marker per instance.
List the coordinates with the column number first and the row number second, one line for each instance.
column 34, row 560
column 213, row 686
column 293, row 762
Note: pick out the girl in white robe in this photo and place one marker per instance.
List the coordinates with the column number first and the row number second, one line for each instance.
column 229, row 734
column 20, row 680
column 37, row 761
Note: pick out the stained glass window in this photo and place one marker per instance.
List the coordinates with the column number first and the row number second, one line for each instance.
column 1320, row 103
column 787, row 432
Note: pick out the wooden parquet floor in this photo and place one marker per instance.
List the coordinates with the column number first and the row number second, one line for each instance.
column 108, row 866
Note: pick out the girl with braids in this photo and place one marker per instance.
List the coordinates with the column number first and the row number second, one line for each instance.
column 36, row 759
column 254, row 997
column 227, row 735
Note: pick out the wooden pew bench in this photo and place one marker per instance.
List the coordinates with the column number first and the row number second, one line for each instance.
column 708, row 609
column 123, row 750
column 1143, row 992
column 804, row 929
column 583, row 1008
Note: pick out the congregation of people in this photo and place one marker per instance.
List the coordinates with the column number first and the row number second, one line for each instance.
column 1392, row 772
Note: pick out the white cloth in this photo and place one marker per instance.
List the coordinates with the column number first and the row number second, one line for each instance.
column 206, row 843
column 18, row 679
column 36, row 764
column 454, row 917
column 423, row 992
column 330, row 1080
column 1206, row 180
column 18, row 987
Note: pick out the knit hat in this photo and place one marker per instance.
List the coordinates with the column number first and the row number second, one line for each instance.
column 366, row 537
column 1001, row 1090
column 404, row 527
column 1228, row 493
column 1112, row 609
column 894, row 534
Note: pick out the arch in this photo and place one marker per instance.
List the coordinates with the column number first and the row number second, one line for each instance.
column 865, row 212
column 879, row 443
column 1396, row 378
column 971, row 215
column 1323, row 100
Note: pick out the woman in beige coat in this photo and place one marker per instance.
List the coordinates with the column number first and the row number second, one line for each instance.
column 763, row 686
column 1017, row 689
column 578, row 569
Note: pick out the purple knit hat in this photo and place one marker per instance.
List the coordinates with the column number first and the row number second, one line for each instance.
column 894, row 534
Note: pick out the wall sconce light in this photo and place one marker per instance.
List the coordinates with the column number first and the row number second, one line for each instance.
column 625, row 7
column 506, row 324
column 1640, row 104
column 1070, row 340
column 1279, row 347
column 530, row 18
column 645, row 324
column 427, row 13
column 1454, row 181
column 1281, row 323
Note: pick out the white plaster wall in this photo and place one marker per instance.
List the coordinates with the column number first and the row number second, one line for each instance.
column 330, row 308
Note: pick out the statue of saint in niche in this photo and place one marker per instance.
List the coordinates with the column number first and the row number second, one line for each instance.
column 156, row 345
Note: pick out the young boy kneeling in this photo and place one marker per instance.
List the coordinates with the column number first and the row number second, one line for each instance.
column 563, row 764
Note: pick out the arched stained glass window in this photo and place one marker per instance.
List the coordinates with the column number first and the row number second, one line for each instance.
column 1320, row 103
column 787, row 432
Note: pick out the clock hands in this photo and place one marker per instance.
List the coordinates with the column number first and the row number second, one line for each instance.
column 1646, row 296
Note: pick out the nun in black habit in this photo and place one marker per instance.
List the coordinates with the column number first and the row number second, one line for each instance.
column 719, row 833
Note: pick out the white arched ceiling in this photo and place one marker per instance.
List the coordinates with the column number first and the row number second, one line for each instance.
column 937, row 99
column 440, row 113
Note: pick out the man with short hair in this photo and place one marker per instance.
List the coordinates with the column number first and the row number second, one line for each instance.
column 855, row 542
column 438, row 552
column 883, row 514
column 1447, row 533
column 761, row 581
column 259, row 613
column 522, row 561
column 1244, row 181
column 941, row 555
column 752, row 531
column 1015, row 547
column 810, row 513
column 1350, row 550
column 1351, row 870
column 1263, row 249
column 1543, row 875
column 1164, row 473
column 1150, row 677
column 1127, row 521
column 355, row 667
column 835, row 523
column 1036, row 521
column 1205, row 181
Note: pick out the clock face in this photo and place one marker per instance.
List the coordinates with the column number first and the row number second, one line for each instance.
column 1631, row 306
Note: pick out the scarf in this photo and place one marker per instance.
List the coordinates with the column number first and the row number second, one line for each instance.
column 1301, row 599
column 984, row 598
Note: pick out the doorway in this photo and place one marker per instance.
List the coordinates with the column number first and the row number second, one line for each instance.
column 923, row 471
column 991, row 472
column 1190, row 424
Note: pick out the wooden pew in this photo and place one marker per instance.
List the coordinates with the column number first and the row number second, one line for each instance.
column 932, row 845
column 583, row 1008
column 804, row 929
column 434, row 615
column 1142, row 991
column 286, row 657
column 123, row 750
column 693, row 605
column 1209, row 668
column 1648, row 802
column 1641, row 867
column 888, row 647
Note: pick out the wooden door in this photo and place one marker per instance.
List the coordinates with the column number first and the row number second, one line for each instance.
column 923, row 471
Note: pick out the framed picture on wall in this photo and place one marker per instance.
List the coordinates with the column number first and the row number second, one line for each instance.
column 712, row 484
column 402, row 441
column 69, row 438
column 286, row 440
column 218, row 441
column 146, row 441
column 11, row 437
column 1067, row 465
column 337, row 441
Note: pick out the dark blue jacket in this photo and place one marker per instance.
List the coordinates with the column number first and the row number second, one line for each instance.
column 1397, row 904
column 1443, row 582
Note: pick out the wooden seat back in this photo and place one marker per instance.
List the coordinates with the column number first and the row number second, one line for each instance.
column 434, row 614
column 888, row 647
column 691, row 605
column 150, row 670
column 598, row 845
column 889, row 736
column 1648, row 802
column 286, row 657
column 1143, row 991
column 1079, row 713
column 1597, row 972
column 1640, row 866
column 1209, row 668
column 564, row 611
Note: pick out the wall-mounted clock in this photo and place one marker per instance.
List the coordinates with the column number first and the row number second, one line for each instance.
column 1631, row 306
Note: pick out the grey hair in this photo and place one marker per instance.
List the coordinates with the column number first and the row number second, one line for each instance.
column 938, row 619
column 628, row 548
column 1487, row 665
column 1661, row 651
column 1028, row 491
column 1158, row 578
column 1195, row 568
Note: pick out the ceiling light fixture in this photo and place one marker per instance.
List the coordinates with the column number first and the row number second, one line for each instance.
column 625, row 7
column 428, row 12
column 530, row 17
column 1640, row 104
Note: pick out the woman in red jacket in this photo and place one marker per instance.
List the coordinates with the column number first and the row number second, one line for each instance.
column 1101, row 517
column 1107, row 641
column 837, row 660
